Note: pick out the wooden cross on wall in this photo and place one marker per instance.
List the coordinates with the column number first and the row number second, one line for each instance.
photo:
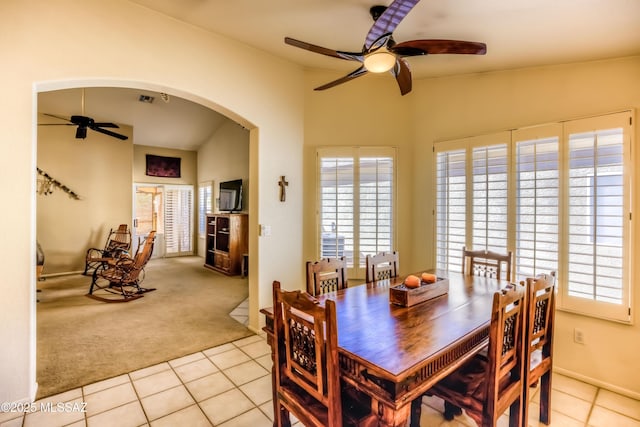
column 283, row 191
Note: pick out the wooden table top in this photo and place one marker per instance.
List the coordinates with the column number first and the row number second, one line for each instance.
column 394, row 338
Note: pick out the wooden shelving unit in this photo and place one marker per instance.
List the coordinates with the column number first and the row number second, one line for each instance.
column 226, row 242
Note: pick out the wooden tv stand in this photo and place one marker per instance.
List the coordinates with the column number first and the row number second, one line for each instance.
column 226, row 242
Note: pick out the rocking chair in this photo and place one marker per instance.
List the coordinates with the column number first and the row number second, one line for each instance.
column 118, row 243
column 118, row 280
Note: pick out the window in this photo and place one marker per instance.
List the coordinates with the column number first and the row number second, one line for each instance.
column 565, row 206
column 598, row 186
column 471, row 197
column 451, row 194
column 356, row 203
column 537, row 182
column 205, row 197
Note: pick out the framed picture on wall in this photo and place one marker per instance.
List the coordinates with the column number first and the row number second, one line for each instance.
column 166, row 167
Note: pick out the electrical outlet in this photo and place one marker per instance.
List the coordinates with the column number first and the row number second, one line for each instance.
column 578, row 336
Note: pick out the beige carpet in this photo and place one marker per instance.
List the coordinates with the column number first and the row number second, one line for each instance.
column 81, row 340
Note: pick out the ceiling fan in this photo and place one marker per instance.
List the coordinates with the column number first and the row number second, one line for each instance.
column 83, row 122
column 381, row 53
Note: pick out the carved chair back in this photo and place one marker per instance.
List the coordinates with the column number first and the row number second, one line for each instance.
column 326, row 275
column 381, row 266
column 487, row 385
column 306, row 359
column 539, row 339
column 486, row 263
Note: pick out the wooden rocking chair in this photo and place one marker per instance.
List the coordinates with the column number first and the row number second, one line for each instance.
column 119, row 280
column 118, row 243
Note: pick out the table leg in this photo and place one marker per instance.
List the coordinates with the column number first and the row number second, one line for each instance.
column 389, row 417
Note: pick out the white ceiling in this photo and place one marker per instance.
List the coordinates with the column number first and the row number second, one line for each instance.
column 177, row 123
column 518, row 33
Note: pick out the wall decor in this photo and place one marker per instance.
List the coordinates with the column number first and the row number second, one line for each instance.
column 283, row 183
column 166, row 167
column 47, row 184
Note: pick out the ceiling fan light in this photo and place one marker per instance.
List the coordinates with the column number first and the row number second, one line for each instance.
column 379, row 62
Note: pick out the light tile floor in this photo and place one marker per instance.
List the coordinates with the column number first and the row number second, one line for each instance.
column 230, row 386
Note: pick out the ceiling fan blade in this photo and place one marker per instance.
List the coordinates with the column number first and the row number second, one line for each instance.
column 431, row 47
column 56, row 124
column 58, row 117
column 106, row 125
column 352, row 75
column 389, row 20
column 358, row 56
column 108, row 132
column 402, row 74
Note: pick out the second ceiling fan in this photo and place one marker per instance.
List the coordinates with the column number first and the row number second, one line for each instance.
column 83, row 123
column 381, row 53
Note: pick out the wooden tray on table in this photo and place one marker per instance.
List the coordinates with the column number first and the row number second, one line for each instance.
column 406, row 297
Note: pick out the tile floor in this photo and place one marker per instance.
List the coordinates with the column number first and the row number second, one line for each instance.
column 230, row 386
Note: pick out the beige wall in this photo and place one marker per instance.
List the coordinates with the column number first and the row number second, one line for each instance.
column 40, row 40
column 98, row 169
column 368, row 111
column 224, row 157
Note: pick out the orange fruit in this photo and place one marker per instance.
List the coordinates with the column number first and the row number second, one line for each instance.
column 429, row 278
column 412, row 281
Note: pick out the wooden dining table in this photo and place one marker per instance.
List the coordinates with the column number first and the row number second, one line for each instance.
column 394, row 353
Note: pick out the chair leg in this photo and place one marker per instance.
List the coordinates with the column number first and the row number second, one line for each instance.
column 416, row 411
column 545, row 398
column 451, row 410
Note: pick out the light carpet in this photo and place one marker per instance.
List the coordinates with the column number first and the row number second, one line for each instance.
column 81, row 340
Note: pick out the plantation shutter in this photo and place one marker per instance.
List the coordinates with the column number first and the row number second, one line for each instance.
column 337, row 206
column 537, row 181
column 451, row 194
column 598, row 215
column 489, row 196
column 376, row 205
column 178, row 214
column 205, row 196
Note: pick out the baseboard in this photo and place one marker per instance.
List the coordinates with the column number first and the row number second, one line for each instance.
column 34, row 391
column 68, row 273
column 602, row 384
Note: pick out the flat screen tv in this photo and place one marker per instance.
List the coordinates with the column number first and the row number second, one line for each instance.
column 230, row 196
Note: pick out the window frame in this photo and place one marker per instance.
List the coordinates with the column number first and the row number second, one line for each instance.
column 205, row 207
column 356, row 268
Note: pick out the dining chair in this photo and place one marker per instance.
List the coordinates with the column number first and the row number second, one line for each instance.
column 486, row 263
column 539, row 341
column 383, row 265
column 307, row 375
column 326, row 275
column 487, row 385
